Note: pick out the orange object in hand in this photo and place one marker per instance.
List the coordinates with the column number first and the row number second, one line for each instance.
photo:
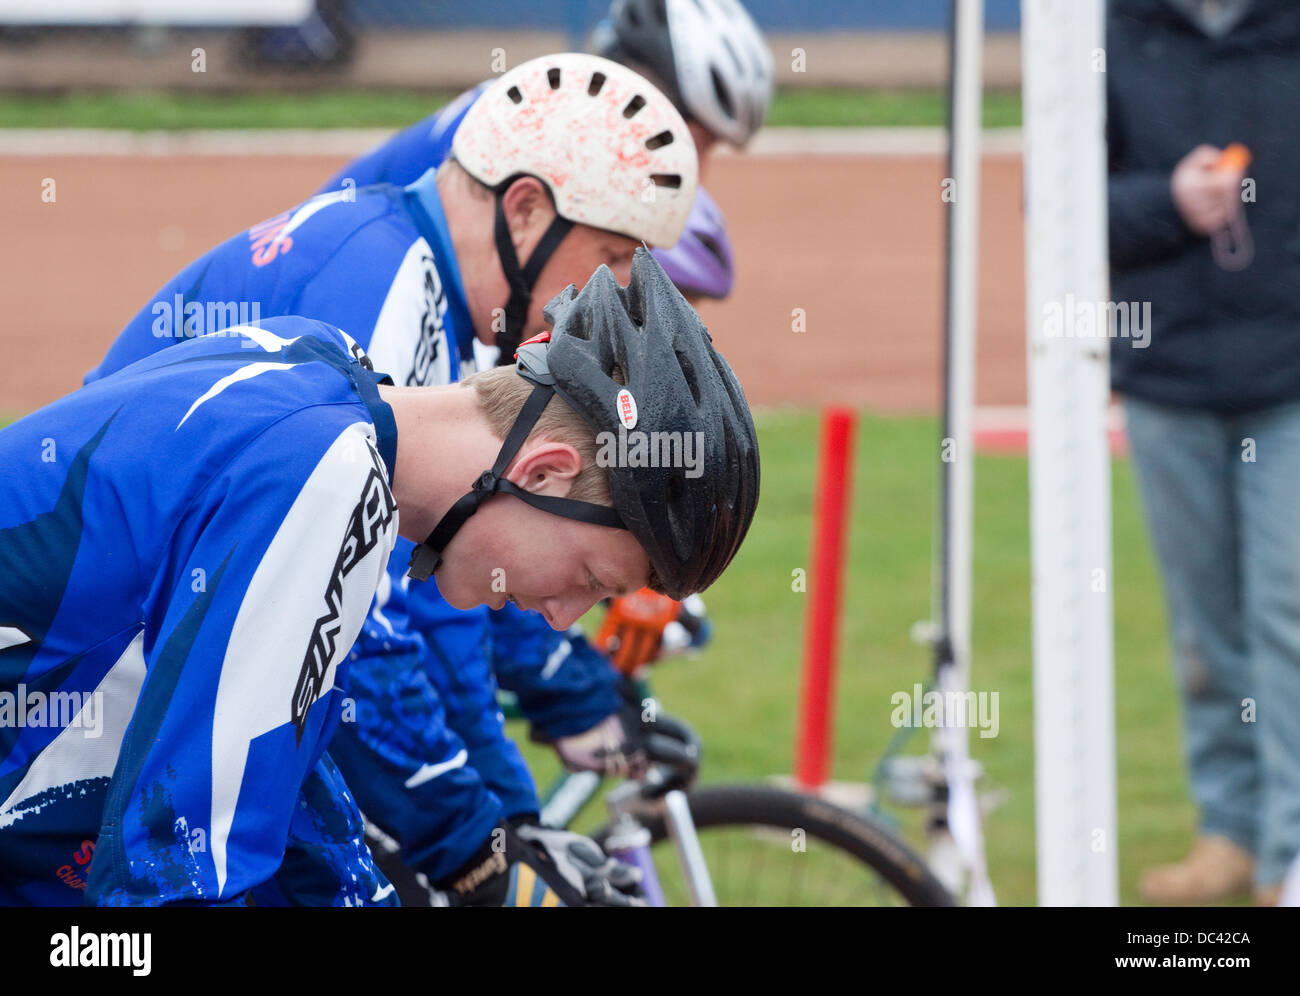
column 633, row 628
column 1235, row 157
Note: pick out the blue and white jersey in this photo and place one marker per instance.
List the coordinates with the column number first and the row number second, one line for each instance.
column 327, row 861
column 427, row 758
column 377, row 263
column 187, row 552
column 383, row 263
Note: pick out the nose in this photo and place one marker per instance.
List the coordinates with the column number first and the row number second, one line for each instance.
column 562, row 612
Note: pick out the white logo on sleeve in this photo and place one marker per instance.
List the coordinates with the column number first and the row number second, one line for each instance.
column 12, row 636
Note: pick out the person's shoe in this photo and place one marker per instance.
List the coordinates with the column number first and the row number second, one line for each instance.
column 1214, row 870
column 1268, row 895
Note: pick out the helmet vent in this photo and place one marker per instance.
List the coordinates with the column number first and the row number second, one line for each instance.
column 597, row 81
column 673, row 490
column 633, row 105
column 720, row 91
column 711, row 244
column 690, row 374
column 660, row 140
column 671, row 180
column 553, row 75
column 514, row 94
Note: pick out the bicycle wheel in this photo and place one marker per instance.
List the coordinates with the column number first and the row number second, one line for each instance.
column 767, row 846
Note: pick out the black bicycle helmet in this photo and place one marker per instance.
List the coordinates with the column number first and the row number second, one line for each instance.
column 690, row 520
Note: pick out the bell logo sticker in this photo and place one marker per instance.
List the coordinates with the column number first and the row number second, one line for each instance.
column 626, row 408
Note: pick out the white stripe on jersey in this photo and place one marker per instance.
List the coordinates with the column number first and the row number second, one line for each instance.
column 265, row 338
column 278, row 616
column 429, row 772
column 77, row 754
column 409, row 341
column 556, row 658
column 309, row 208
column 243, row 373
column 272, row 343
column 12, row 636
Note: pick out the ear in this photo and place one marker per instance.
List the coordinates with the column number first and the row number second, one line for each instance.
column 528, row 213
column 546, row 467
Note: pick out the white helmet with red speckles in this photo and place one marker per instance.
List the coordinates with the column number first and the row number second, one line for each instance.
column 613, row 149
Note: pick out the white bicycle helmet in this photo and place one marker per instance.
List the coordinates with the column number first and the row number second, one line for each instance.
column 709, row 54
column 612, row 150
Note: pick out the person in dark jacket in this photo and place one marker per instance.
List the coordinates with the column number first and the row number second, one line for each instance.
column 1212, row 401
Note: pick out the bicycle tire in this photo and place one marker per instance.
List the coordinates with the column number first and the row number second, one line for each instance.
column 851, row 834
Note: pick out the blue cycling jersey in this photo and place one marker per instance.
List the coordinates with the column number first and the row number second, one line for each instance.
column 187, row 551
column 326, row 861
column 427, row 757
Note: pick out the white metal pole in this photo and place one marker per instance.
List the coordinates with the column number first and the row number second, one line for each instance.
column 1062, row 44
column 961, row 193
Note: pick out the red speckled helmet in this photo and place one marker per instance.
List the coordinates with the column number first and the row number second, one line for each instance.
column 611, row 148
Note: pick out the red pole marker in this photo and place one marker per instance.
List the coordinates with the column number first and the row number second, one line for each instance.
column 821, row 632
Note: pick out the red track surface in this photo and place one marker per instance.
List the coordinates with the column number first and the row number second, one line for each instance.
column 856, row 242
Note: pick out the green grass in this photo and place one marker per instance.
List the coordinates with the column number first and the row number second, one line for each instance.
column 742, row 692
column 147, row 111
column 881, row 108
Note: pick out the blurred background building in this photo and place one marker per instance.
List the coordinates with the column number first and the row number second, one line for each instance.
column 59, row 45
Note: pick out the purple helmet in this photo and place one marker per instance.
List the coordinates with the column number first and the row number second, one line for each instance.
column 701, row 262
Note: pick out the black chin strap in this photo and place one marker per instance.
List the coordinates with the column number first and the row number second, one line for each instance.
column 428, row 555
column 521, row 279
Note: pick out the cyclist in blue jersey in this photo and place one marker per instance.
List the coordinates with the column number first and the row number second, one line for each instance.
column 190, row 544
column 386, row 263
column 186, row 552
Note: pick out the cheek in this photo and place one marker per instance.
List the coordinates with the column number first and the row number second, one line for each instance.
column 549, row 570
column 571, row 264
column 622, row 271
column 465, row 576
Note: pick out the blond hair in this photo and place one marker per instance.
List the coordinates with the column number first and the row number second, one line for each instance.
column 501, row 393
